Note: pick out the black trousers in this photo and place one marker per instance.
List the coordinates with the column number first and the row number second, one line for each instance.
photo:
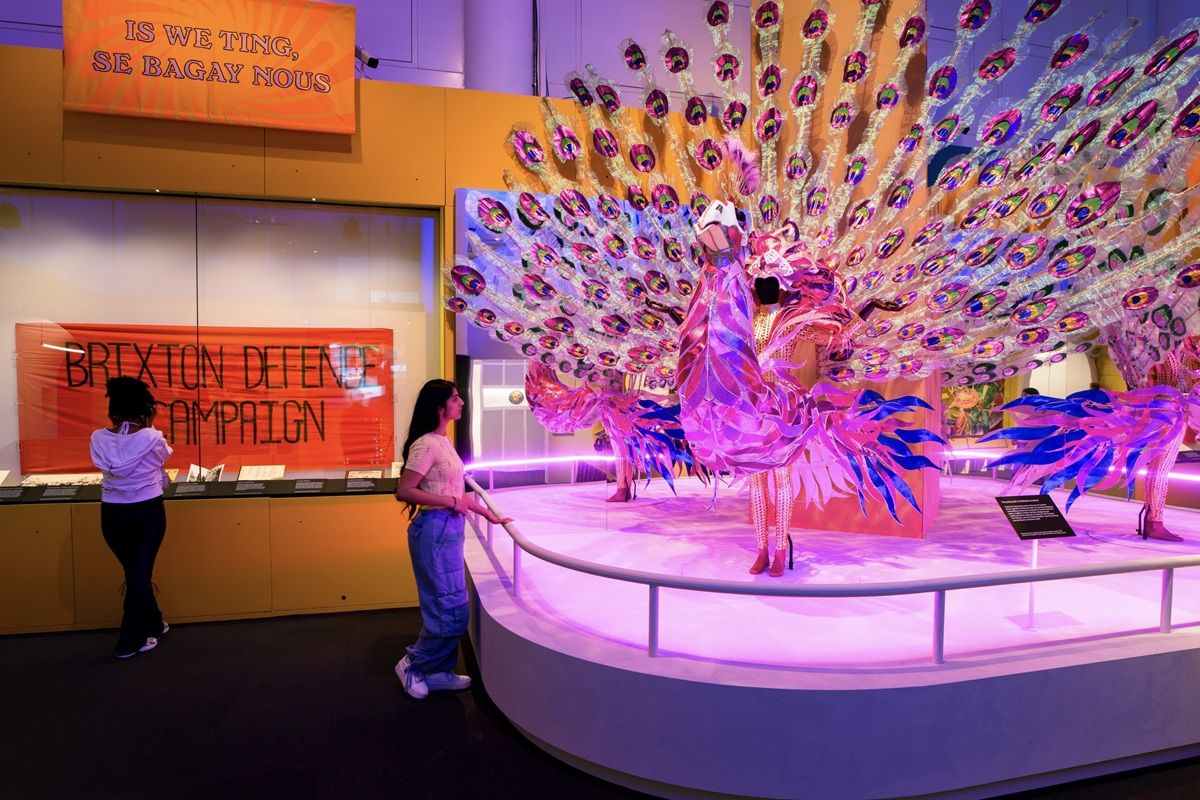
column 134, row 532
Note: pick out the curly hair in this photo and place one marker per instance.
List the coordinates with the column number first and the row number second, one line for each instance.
column 128, row 399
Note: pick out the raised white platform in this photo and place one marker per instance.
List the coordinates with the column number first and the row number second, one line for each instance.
column 828, row 698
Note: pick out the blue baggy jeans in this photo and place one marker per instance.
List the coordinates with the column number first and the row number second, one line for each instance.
column 435, row 542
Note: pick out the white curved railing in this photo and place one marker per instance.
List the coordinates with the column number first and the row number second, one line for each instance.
column 937, row 586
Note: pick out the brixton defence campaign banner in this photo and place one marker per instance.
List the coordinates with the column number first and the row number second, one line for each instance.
column 309, row 398
column 265, row 63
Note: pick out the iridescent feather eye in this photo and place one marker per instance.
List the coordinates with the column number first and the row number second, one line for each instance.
column 994, row 172
column 614, row 324
column 1092, row 204
column 1131, row 125
column 673, row 250
column 913, row 32
column 988, row 348
column 856, row 170
column 942, row 339
column 841, row 115
column 975, row 15
column 910, row 331
column 998, row 63
column 657, row 282
column 804, row 91
column 548, row 341
column 1041, row 10
column 583, row 95
column 768, row 124
column 906, row 299
column 1138, row 299
column 875, row 355
column 606, row 358
column 983, row 254
column 467, row 280
column 936, row 265
column 734, row 115
column 1069, row 323
column 900, row 195
column 566, row 143
column 817, row 201
column 543, row 255
column 928, row 234
column 1163, row 60
column 1061, row 101
column 945, row 130
column 856, row 67
column 816, row 25
column 976, row 217
column 904, row 273
column 575, row 202
column 485, row 317
column 718, row 14
column 984, row 302
column 872, row 279
column 942, row 82
column 615, row 246
column 530, row 211
column 456, row 304
column 1072, row 262
column 946, row 297
column 1024, row 252
column 585, row 252
column 633, row 288
column 561, row 325
column 912, row 138
column 665, row 199
column 1009, row 204
column 1034, row 311
column 1031, row 337
column 676, row 59
column 1080, row 139
column 577, row 350
column 797, row 167
column 1105, row 88
column 890, row 243
column 595, row 291
column 954, row 175
column 1044, row 203
column 608, row 97
column 657, row 104
column 695, row 112
column 768, row 206
column 641, row 157
column 769, row 81
column 1070, row 51
column 605, row 143
column 910, row 366
column 608, row 206
column 888, row 96
column 527, row 148
column 862, row 214
column 1188, row 277
column 1035, row 163
column 699, row 204
column 1002, row 127
column 514, row 328
column 726, row 67
column 493, row 214
column 767, row 15
column 635, row 57
column 1187, row 121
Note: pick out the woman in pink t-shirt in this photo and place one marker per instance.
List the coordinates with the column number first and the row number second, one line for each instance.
column 432, row 483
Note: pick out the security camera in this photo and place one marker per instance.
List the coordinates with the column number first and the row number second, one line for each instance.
column 365, row 58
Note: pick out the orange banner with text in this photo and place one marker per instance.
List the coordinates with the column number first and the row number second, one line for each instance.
column 307, row 398
column 265, row 63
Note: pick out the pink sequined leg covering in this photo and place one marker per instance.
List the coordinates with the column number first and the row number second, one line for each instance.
column 758, row 508
column 783, row 506
column 623, row 470
column 1157, row 477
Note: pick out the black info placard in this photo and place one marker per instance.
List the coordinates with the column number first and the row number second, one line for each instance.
column 1035, row 516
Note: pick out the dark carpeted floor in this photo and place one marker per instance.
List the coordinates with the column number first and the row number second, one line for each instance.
column 302, row 707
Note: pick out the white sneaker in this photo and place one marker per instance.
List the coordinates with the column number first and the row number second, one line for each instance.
column 146, row 647
column 413, row 681
column 447, row 682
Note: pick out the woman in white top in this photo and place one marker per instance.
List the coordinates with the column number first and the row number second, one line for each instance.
column 432, row 483
column 131, row 454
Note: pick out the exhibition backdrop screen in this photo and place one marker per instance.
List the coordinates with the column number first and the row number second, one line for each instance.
column 272, row 334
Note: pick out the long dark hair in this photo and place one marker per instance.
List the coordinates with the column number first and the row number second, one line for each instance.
column 433, row 397
column 129, row 400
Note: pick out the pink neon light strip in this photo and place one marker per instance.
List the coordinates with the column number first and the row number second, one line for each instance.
column 532, row 462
